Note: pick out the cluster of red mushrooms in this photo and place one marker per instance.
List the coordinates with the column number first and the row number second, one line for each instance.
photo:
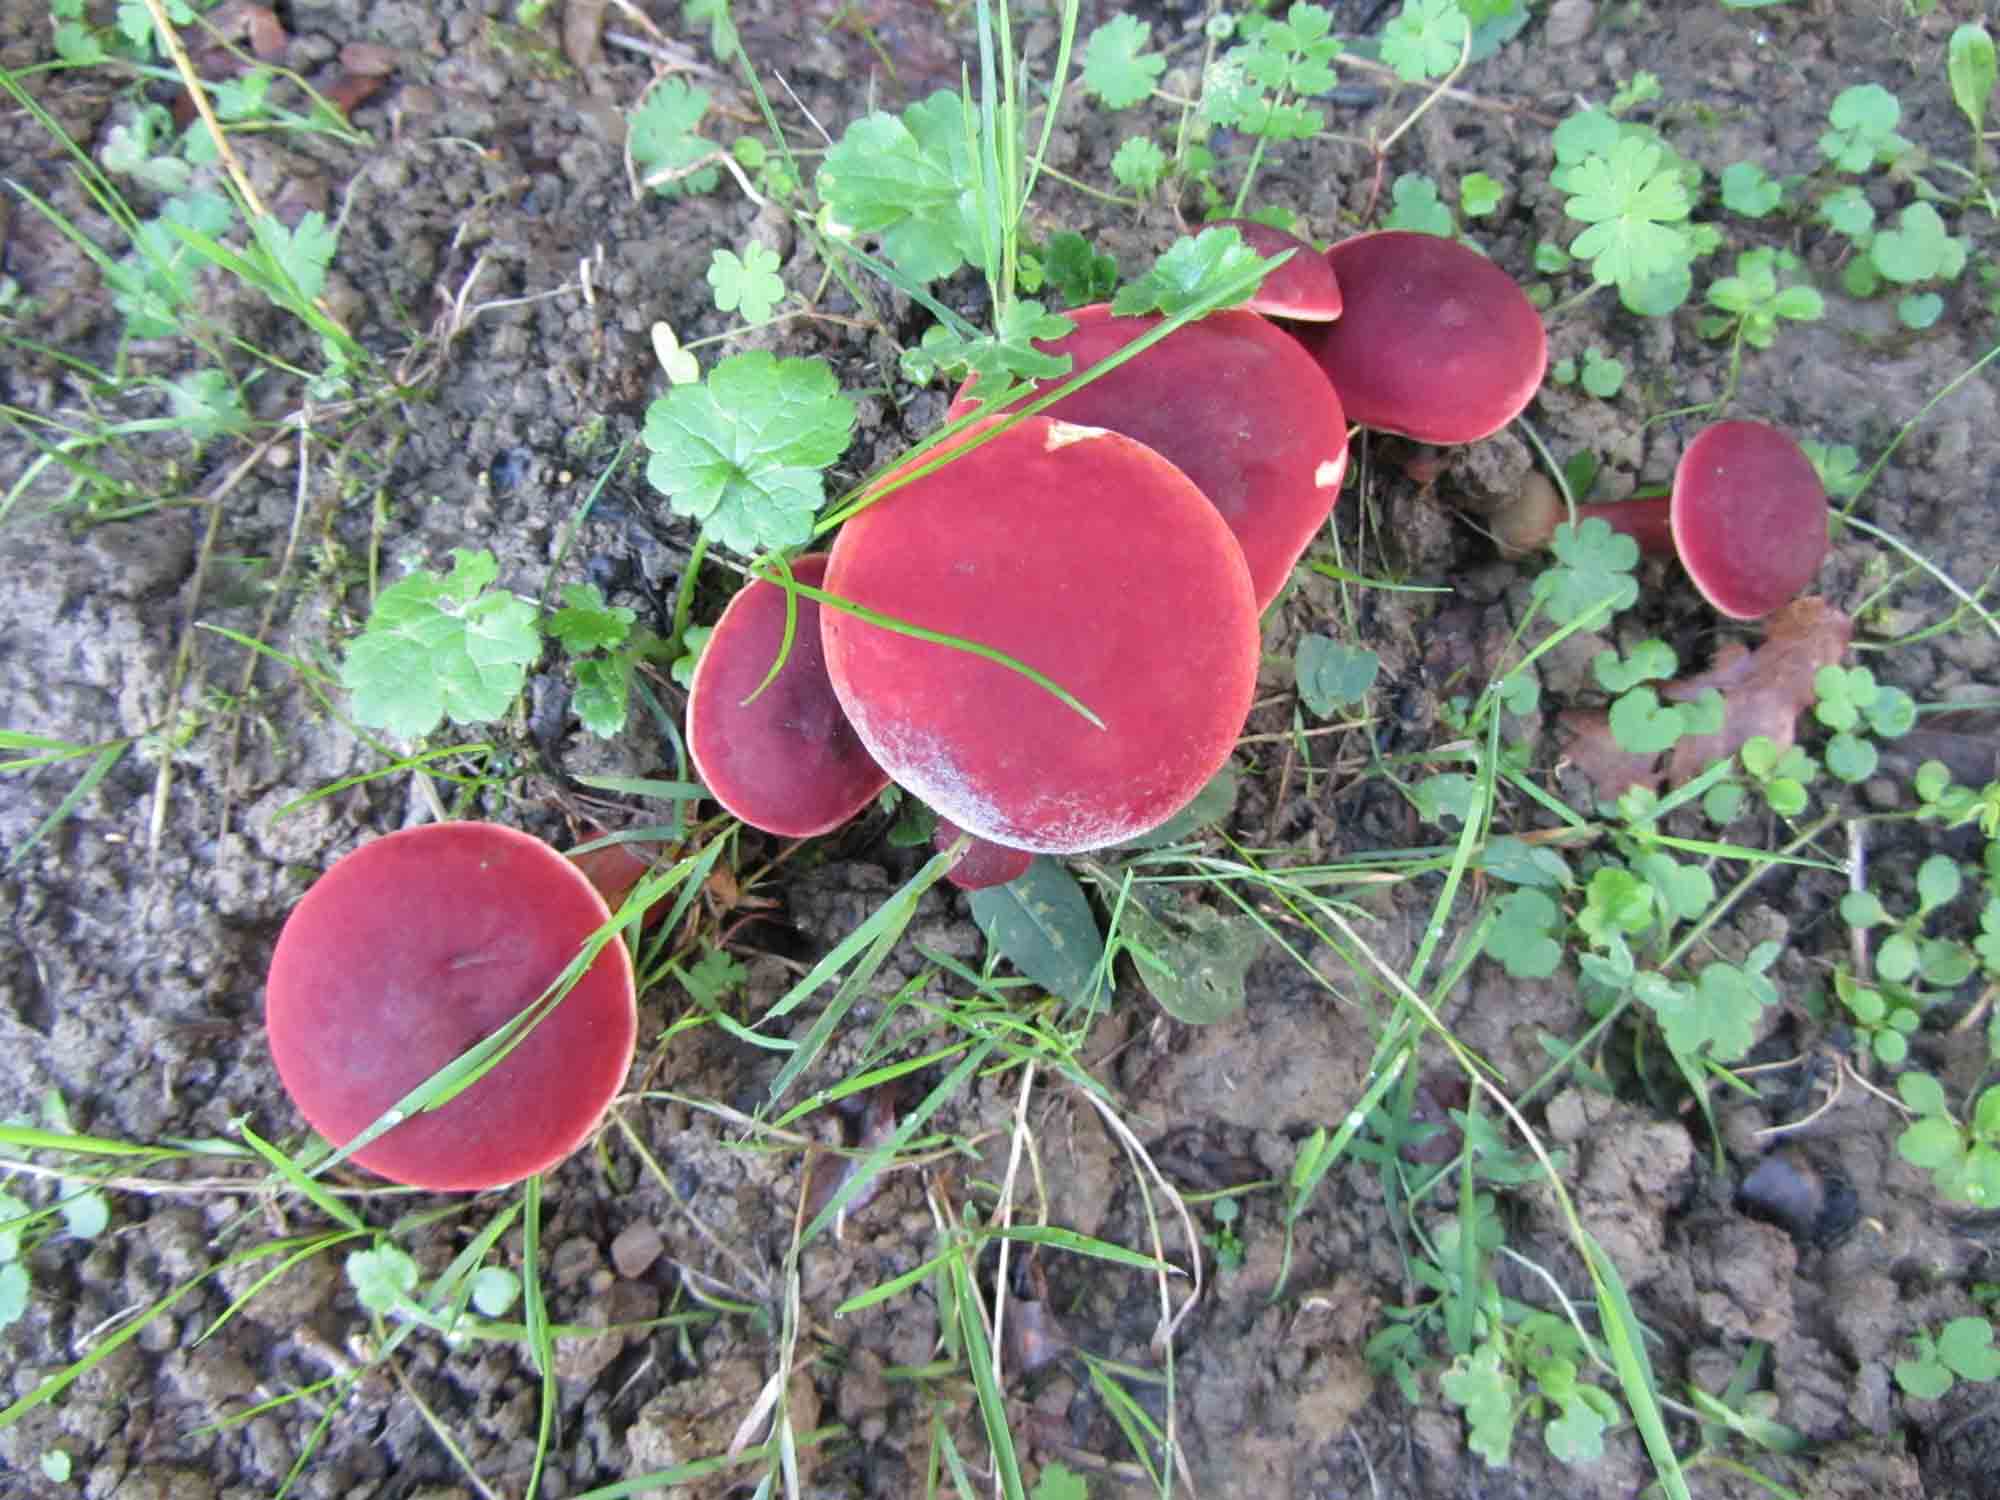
column 1123, row 543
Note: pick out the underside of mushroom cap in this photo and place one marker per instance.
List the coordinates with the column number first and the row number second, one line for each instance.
column 414, row 947
column 1434, row 341
column 783, row 759
column 1749, row 517
column 1084, row 555
column 1235, row 404
column 1304, row 288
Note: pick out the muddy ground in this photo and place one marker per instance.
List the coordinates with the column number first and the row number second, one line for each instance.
column 492, row 171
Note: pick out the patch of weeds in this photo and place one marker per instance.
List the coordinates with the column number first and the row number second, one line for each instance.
column 1223, row 1241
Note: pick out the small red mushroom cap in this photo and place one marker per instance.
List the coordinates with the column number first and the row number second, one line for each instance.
column 414, row 947
column 786, row 761
column 1304, row 288
column 1749, row 518
column 982, row 862
column 1434, row 341
column 1086, row 556
column 1235, row 404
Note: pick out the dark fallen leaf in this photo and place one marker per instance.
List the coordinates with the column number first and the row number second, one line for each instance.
column 1763, row 691
column 1594, row 751
column 1035, row 1339
column 583, row 33
column 350, row 91
column 1967, row 740
column 370, row 59
column 239, row 19
column 827, row 1172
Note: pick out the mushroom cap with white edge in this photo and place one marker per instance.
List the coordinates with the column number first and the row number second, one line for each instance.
column 1076, row 552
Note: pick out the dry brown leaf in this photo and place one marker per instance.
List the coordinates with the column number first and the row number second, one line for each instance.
column 583, row 33
column 1593, row 750
column 1763, row 691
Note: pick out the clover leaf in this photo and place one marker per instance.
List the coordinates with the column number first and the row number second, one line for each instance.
column 748, row 284
column 1593, row 575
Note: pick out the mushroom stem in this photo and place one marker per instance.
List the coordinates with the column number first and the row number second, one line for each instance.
column 1644, row 518
column 1525, row 522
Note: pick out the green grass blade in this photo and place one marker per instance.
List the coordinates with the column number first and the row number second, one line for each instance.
column 98, row 769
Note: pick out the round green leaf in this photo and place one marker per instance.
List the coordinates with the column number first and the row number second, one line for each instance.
column 1931, row 1143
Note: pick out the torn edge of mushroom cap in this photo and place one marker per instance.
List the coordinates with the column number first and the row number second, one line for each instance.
column 780, row 755
column 1434, row 340
column 1304, row 289
column 1749, row 517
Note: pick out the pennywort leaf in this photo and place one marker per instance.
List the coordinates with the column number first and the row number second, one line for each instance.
column 741, row 453
column 437, row 647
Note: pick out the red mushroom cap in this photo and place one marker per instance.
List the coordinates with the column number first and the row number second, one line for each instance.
column 1304, row 288
column 1084, row 555
column 1749, row 517
column 414, row 947
column 1434, row 341
column 787, row 761
column 983, row 863
column 1235, row 404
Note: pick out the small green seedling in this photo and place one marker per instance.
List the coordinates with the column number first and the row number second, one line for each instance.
column 1425, row 39
column 441, row 646
column 1223, row 1241
column 1117, row 70
column 1414, row 204
column 1592, row 578
column 1331, row 674
column 1963, row 1157
column 661, row 136
column 1630, row 191
column 1961, row 1350
column 748, row 284
column 1861, row 131
column 1749, row 190
column 1754, row 301
column 1849, row 701
column 1599, row 374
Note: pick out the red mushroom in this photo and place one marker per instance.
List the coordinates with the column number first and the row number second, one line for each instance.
column 1304, row 288
column 784, row 760
column 982, row 862
column 418, row 945
column 1746, row 516
column 1086, row 556
column 1234, row 404
column 1434, row 341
